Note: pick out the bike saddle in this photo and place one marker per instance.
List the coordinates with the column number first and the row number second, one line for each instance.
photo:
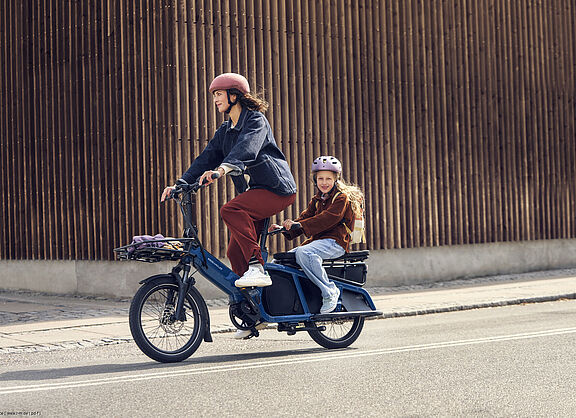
column 351, row 257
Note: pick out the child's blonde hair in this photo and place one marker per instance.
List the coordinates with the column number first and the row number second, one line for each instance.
column 355, row 196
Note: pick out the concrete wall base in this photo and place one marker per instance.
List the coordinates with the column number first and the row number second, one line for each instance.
column 437, row 264
column 385, row 268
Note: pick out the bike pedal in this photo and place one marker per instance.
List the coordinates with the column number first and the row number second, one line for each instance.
column 254, row 333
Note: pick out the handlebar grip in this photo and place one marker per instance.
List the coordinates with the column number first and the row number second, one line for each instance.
column 214, row 177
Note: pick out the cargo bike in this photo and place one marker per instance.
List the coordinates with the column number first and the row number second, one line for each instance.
column 169, row 318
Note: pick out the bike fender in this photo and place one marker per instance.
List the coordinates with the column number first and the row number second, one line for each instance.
column 158, row 276
column 206, row 314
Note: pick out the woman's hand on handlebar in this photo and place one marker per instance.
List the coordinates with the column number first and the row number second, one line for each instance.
column 208, row 177
column 167, row 193
column 181, row 185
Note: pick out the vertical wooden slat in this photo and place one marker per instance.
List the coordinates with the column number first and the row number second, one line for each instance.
column 7, row 137
column 4, row 209
column 97, row 210
column 385, row 164
column 352, row 89
column 48, row 180
column 19, row 122
column 370, row 173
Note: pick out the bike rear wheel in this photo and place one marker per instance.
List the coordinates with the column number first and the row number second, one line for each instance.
column 153, row 327
column 339, row 333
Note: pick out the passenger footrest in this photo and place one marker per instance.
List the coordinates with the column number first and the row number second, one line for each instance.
column 345, row 315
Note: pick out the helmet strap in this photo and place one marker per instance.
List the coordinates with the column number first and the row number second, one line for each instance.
column 230, row 103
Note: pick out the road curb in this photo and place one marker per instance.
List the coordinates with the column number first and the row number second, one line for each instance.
column 520, row 301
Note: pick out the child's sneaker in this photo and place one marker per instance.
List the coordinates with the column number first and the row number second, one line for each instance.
column 330, row 303
column 255, row 276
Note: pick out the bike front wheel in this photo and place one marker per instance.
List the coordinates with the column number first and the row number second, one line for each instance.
column 154, row 328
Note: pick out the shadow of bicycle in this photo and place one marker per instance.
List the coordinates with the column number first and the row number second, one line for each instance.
column 136, row 368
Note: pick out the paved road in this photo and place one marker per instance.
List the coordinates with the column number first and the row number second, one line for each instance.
column 38, row 323
column 506, row 361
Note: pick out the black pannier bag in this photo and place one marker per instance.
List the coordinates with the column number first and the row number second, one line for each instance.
column 353, row 273
column 281, row 298
column 348, row 268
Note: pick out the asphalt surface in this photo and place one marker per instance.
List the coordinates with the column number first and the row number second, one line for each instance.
column 32, row 322
column 509, row 361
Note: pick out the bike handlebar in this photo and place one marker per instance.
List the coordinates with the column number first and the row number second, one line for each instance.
column 277, row 231
column 183, row 187
column 296, row 226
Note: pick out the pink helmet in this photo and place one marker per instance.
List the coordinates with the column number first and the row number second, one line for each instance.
column 327, row 163
column 228, row 81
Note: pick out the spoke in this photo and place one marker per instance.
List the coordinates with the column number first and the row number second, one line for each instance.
column 155, row 333
column 336, row 330
column 177, row 341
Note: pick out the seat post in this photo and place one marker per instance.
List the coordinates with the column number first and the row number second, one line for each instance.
column 264, row 234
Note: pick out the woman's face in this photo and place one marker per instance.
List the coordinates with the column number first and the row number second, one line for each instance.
column 325, row 180
column 221, row 100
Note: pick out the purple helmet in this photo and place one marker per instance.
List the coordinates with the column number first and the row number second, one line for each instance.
column 327, row 163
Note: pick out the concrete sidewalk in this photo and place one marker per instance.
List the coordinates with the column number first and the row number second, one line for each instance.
column 37, row 322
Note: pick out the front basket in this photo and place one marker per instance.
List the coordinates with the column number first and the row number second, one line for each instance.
column 150, row 251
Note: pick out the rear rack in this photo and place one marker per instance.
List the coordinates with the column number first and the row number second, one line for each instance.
column 289, row 258
column 151, row 252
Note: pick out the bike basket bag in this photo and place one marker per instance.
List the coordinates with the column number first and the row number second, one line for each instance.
column 281, row 298
column 353, row 273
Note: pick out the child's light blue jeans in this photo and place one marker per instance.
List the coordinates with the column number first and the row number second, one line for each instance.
column 310, row 257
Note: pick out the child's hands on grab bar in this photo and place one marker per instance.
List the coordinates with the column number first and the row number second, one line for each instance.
column 287, row 226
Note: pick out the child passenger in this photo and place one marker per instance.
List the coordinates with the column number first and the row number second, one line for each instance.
column 325, row 223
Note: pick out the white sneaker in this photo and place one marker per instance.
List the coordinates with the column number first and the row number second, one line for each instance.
column 255, row 276
column 330, row 303
column 245, row 333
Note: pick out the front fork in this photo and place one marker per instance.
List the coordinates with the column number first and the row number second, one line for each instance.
column 183, row 287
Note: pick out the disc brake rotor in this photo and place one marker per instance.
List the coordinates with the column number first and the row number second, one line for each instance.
column 168, row 324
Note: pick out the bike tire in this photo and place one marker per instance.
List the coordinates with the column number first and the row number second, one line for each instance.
column 337, row 334
column 159, row 338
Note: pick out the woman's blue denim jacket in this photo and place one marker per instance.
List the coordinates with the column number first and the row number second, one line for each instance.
column 249, row 148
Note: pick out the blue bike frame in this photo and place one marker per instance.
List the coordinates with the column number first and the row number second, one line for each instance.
column 222, row 277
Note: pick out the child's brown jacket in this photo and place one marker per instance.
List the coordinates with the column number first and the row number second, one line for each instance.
column 324, row 218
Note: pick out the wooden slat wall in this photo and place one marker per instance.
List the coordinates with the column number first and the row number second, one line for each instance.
column 456, row 117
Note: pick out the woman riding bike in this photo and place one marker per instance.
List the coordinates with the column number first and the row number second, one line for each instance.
column 244, row 148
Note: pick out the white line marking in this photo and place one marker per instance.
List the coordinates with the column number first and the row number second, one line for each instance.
column 281, row 362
